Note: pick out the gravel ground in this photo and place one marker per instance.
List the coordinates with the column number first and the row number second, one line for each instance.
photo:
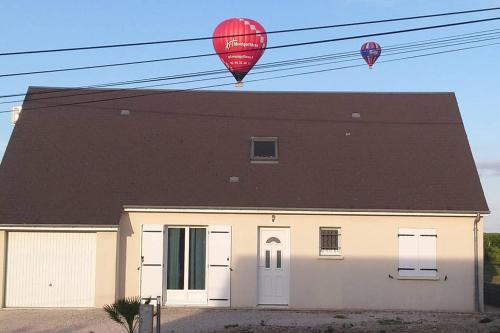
column 253, row 320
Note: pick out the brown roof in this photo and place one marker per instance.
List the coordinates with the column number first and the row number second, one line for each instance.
column 79, row 164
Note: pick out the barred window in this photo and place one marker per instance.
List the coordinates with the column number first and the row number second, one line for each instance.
column 329, row 241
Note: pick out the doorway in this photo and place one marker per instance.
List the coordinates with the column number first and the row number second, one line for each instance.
column 274, row 266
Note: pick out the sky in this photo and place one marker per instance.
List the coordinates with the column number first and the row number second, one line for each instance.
column 472, row 74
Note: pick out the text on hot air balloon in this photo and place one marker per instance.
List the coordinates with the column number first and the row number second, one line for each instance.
column 234, row 42
column 239, row 56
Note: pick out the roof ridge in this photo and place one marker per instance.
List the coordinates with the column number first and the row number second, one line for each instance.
column 256, row 91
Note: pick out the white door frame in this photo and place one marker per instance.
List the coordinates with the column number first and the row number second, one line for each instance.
column 185, row 296
column 272, row 270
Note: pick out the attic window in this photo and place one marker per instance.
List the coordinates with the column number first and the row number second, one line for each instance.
column 264, row 149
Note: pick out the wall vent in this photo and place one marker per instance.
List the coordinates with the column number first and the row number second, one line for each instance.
column 14, row 115
column 234, row 179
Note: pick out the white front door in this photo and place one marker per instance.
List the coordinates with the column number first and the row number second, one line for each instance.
column 274, row 266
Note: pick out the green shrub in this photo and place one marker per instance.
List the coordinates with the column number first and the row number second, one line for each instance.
column 492, row 247
column 490, row 271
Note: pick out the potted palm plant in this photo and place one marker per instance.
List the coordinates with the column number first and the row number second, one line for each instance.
column 125, row 312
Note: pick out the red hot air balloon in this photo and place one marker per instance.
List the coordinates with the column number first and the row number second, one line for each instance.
column 370, row 52
column 240, row 43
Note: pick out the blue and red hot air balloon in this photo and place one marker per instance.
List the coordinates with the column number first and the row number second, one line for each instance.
column 370, row 51
column 240, row 43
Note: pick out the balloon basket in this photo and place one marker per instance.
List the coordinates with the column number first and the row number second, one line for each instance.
column 238, row 84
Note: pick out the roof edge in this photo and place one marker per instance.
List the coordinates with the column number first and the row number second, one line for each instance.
column 59, row 227
column 58, row 89
column 310, row 211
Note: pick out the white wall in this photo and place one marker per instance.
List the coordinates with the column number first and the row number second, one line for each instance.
column 359, row 281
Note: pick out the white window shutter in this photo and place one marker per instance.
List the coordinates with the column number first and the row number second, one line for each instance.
column 427, row 252
column 408, row 252
column 219, row 261
column 151, row 261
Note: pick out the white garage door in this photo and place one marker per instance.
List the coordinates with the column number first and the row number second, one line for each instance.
column 50, row 269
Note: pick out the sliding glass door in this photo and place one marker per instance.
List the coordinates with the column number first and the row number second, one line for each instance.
column 175, row 258
column 186, row 249
column 197, row 258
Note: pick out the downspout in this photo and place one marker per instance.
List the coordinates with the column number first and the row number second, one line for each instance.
column 477, row 306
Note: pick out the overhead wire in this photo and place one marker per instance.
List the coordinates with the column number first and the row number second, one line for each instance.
column 254, row 49
column 181, row 40
column 390, row 50
column 465, row 38
column 150, row 93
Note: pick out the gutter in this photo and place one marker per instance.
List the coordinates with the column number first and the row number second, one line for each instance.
column 66, row 227
column 477, row 305
column 293, row 211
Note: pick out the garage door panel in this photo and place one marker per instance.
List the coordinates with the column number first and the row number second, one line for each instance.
column 50, row 269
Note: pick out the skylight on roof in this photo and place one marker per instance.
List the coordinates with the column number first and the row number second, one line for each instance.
column 264, row 149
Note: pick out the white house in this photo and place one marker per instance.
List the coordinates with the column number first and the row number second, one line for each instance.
column 295, row 200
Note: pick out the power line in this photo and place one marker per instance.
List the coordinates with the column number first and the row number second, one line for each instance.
column 255, row 49
column 254, row 80
column 105, row 46
column 270, row 64
column 321, row 59
column 390, row 50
